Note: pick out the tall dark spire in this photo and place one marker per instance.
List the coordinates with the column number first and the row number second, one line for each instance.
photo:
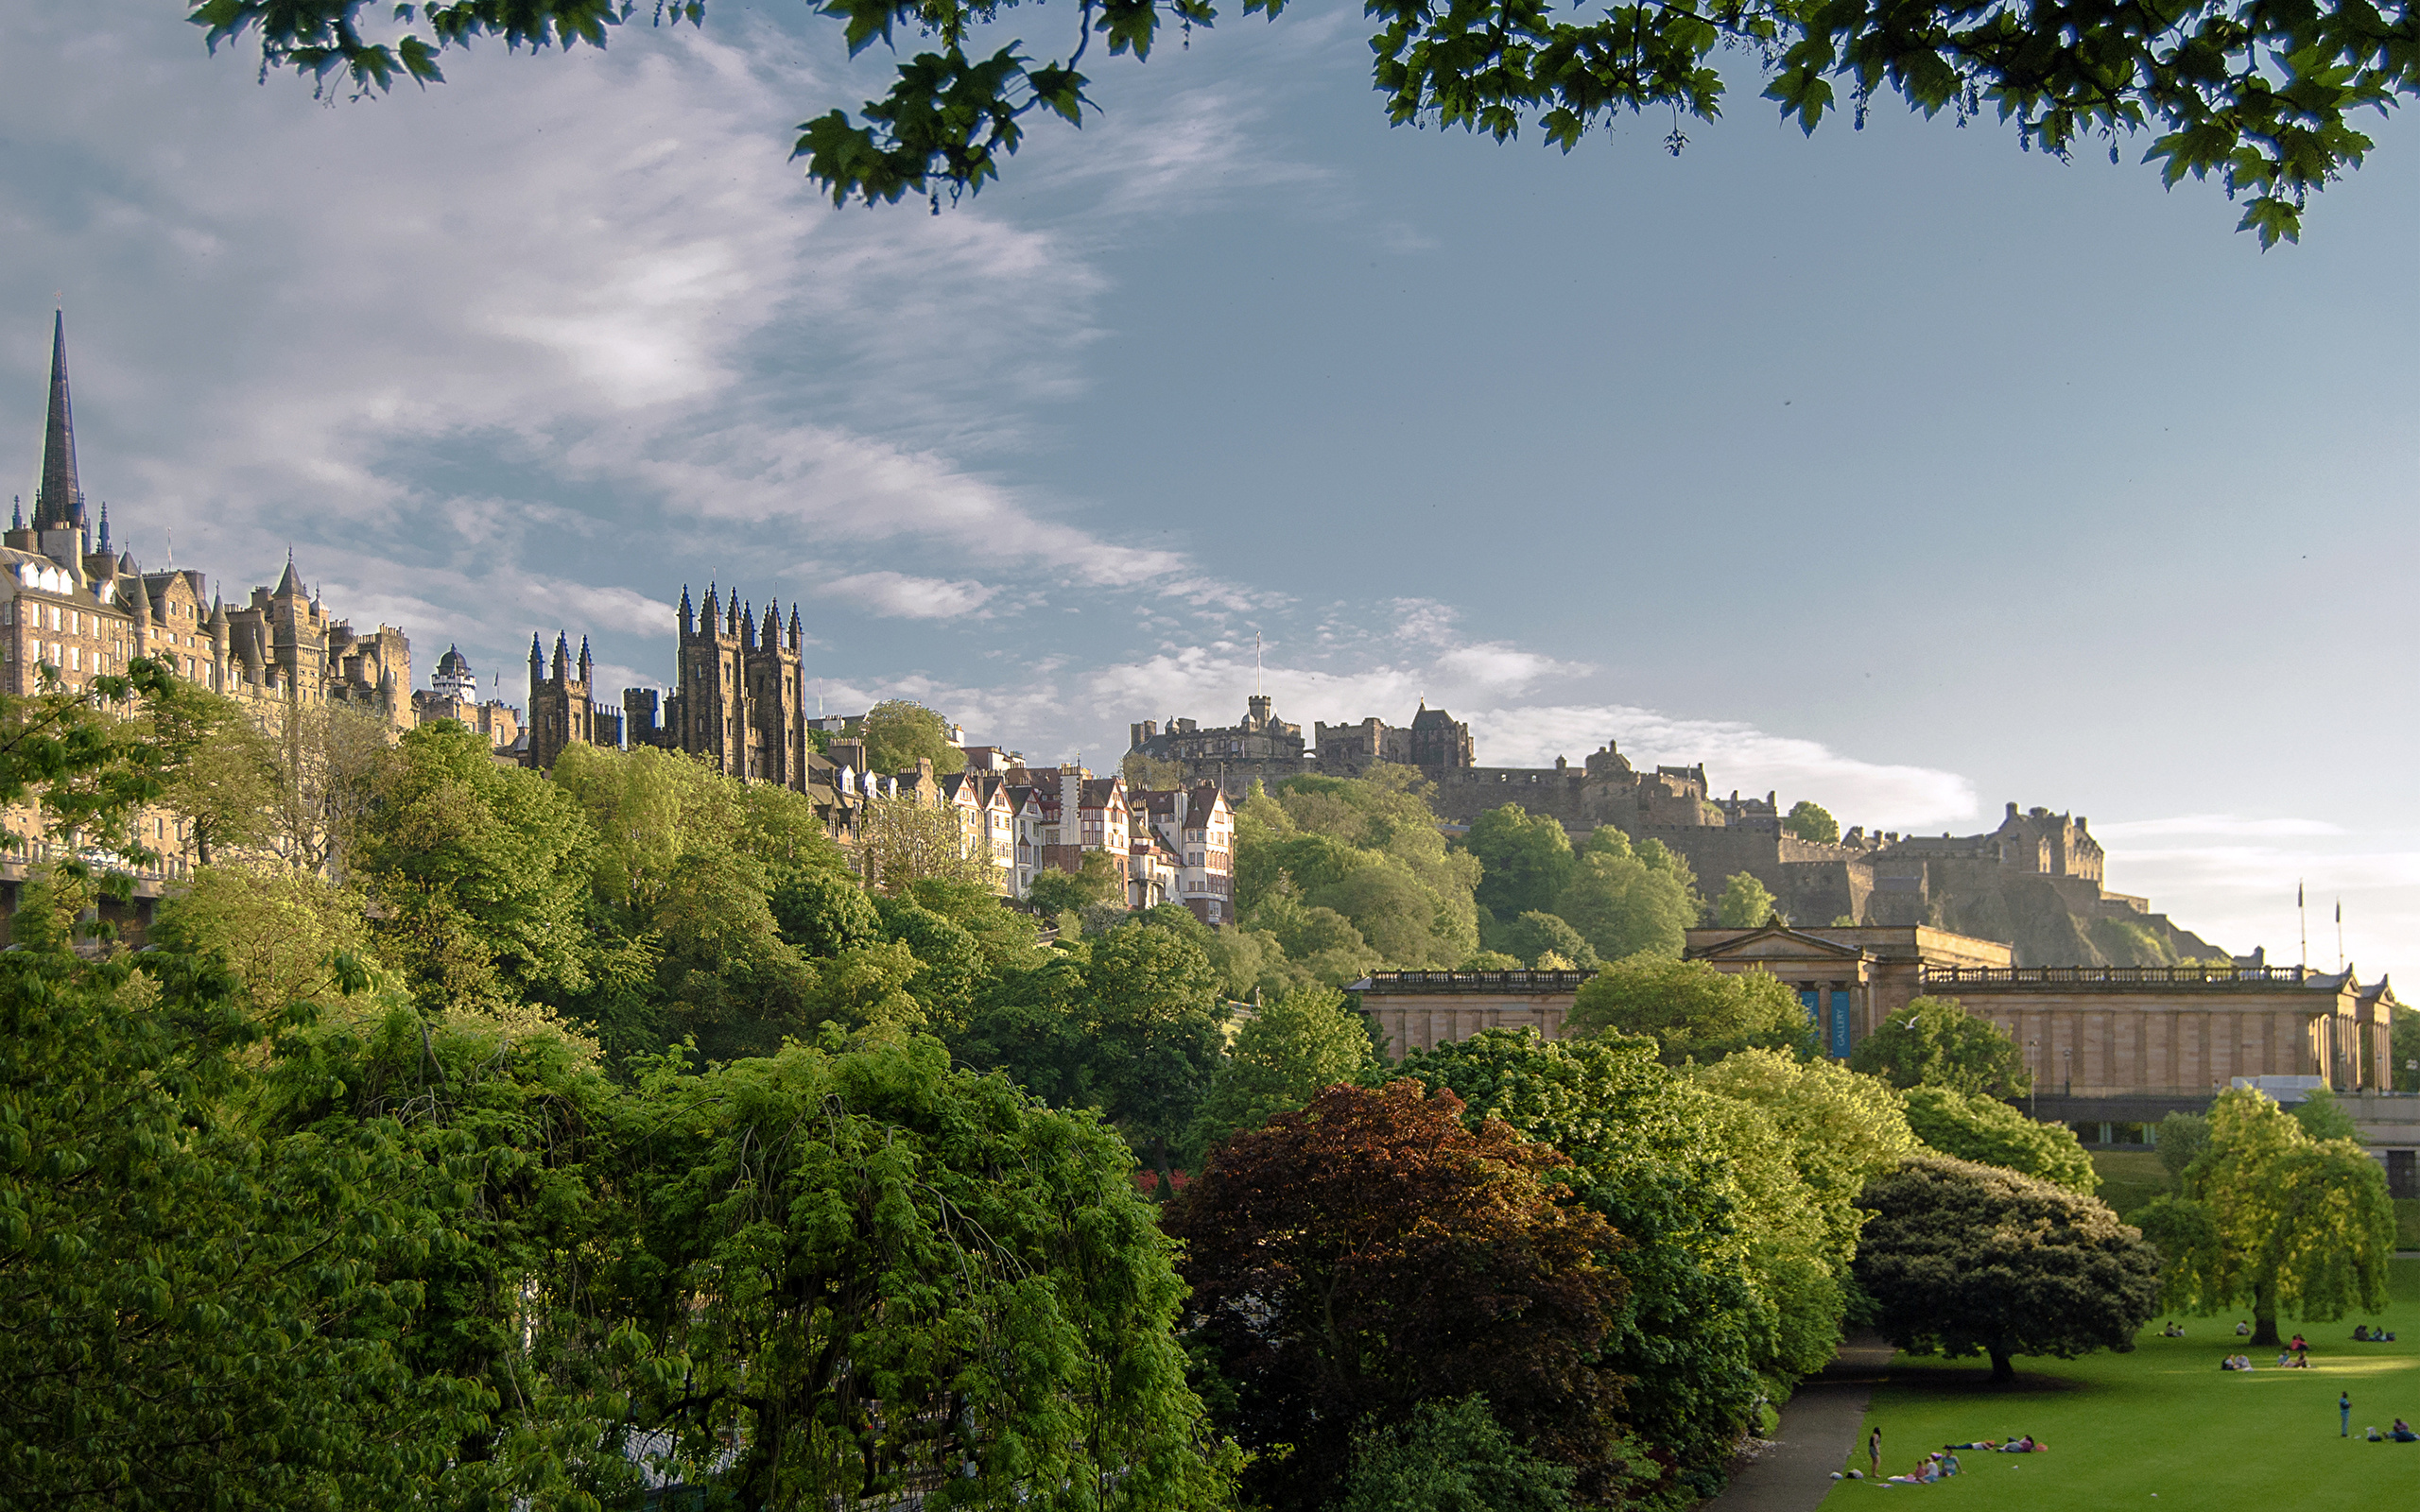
column 59, row 503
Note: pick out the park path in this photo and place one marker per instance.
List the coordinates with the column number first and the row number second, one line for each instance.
column 1818, row 1429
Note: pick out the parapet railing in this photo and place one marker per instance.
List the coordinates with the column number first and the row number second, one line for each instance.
column 2006, row 975
column 1471, row 982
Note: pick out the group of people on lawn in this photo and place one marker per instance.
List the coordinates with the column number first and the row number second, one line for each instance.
column 2294, row 1356
column 1940, row 1466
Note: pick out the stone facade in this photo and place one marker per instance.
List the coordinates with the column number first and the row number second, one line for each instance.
column 1262, row 747
column 2036, row 882
column 453, row 693
column 1420, row 1011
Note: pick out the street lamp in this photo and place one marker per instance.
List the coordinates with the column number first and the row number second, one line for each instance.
column 2033, row 1082
column 2067, row 1071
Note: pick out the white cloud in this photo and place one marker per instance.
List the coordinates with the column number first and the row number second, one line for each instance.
column 923, row 598
column 2217, row 824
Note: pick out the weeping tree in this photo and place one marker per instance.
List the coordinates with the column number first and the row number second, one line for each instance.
column 2268, row 1217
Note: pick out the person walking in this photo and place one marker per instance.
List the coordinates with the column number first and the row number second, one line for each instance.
column 2343, row 1414
column 1874, row 1448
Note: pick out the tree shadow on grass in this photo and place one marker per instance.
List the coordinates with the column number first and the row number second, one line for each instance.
column 1947, row 1379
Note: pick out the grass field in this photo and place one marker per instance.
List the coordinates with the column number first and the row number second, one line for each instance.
column 2129, row 1179
column 2163, row 1424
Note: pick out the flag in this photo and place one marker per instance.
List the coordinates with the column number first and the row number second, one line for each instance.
column 2339, row 910
column 2298, row 895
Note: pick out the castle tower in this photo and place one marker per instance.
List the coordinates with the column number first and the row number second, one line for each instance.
column 560, row 711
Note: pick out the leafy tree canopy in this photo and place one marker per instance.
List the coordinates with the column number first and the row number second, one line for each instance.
column 1659, row 1158
column 1282, row 1058
column 1938, row 1043
column 2261, row 97
column 1526, row 858
column 1691, row 1010
column 1625, row 899
column 1533, row 936
column 1369, row 1253
column 1970, row 1127
column 1810, row 820
column 899, row 732
column 2322, row 1116
column 1094, row 881
column 2270, row 1217
column 1745, row 903
column 1452, row 1457
column 1969, row 1259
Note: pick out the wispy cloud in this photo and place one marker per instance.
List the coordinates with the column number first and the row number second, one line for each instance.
column 909, row 598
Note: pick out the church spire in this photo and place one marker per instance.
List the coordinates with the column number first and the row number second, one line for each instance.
column 59, row 503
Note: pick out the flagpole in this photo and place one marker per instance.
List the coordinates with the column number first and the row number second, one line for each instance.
column 2302, row 916
column 2339, row 934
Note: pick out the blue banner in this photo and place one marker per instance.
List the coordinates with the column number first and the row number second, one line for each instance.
column 1841, row 1025
column 1808, row 999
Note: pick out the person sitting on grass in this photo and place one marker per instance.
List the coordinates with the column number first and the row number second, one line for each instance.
column 2026, row 1445
column 2172, row 1330
column 1927, row 1471
column 1950, row 1464
column 2361, row 1334
column 2402, row 1432
column 2242, row 1329
column 2298, row 1345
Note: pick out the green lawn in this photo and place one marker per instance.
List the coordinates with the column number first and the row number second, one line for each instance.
column 2164, row 1422
column 2130, row 1178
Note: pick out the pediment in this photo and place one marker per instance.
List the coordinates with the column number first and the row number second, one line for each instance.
column 1778, row 942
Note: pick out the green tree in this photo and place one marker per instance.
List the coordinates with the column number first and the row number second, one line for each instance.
column 1658, row 1157
column 473, row 867
column 1938, row 1043
column 1534, row 936
column 901, row 842
column 1525, row 860
column 2181, row 1140
column 1843, row 1128
column 198, row 1315
column 1626, row 900
column 871, row 1227
column 1282, row 1058
column 899, row 732
column 2273, row 1218
column 824, row 914
column 2322, row 1116
column 1094, row 881
column 1368, row 1254
column 225, row 795
column 1967, row 1259
column 279, row 931
column 2198, row 82
column 1688, row 1008
column 1744, row 903
column 1452, row 1457
column 2404, row 1046
column 1810, row 820
column 1986, row 1132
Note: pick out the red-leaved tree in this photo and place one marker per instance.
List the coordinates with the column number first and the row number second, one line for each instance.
column 1367, row 1253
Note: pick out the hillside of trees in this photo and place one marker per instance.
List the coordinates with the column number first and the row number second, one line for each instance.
column 536, row 1140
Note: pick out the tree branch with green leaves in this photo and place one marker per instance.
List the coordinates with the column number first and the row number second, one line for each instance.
column 2257, row 94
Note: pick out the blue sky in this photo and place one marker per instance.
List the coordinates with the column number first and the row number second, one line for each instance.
column 1892, row 468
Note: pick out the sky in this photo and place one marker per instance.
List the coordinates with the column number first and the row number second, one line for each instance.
column 1892, row 468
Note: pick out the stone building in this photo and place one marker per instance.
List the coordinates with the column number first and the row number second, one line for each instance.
column 740, row 702
column 1262, row 747
column 453, row 693
column 1183, row 849
column 75, row 604
column 563, row 710
column 2037, row 880
column 1420, row 1011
